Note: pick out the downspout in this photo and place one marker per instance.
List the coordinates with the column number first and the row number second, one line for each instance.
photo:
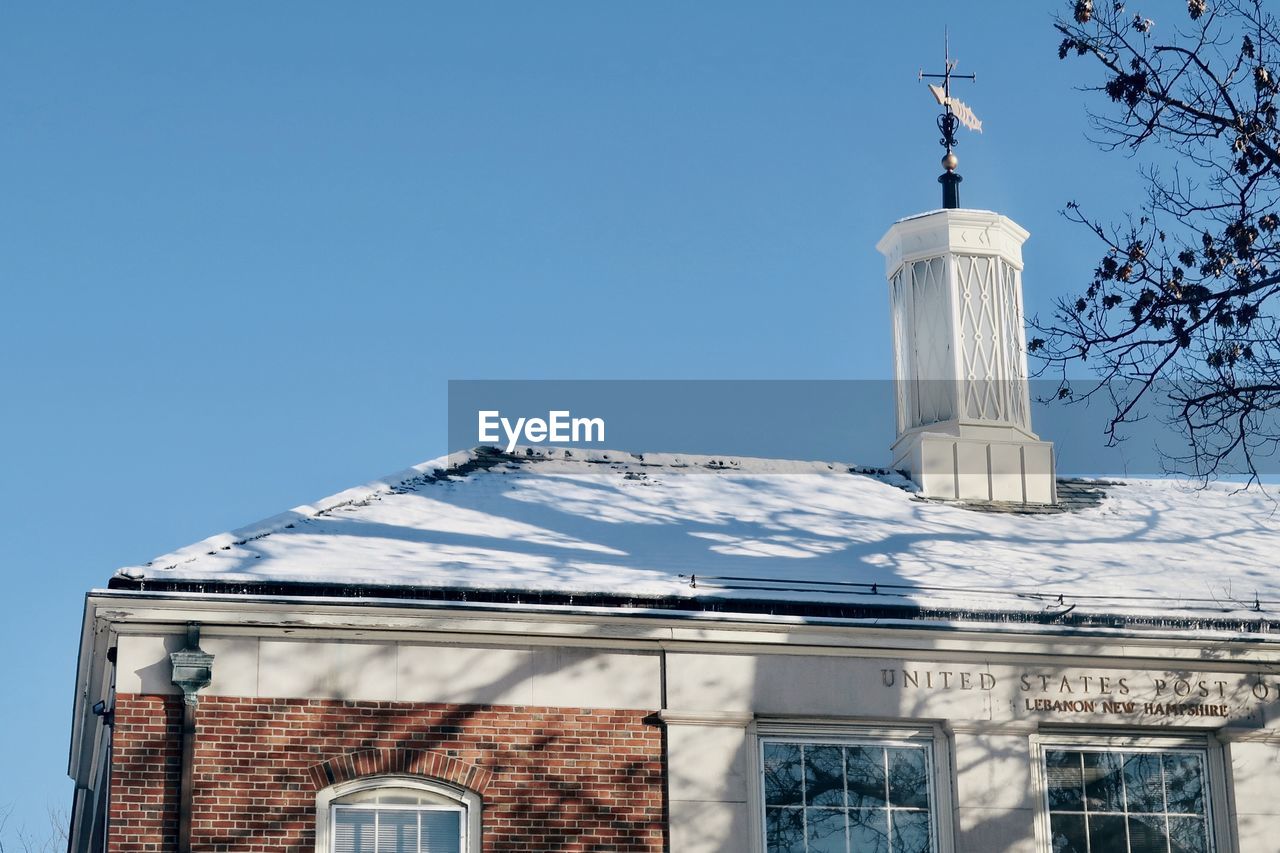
column 192, row 670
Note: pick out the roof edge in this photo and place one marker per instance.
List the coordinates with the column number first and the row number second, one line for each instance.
column 1261, row 628
column 284, row 520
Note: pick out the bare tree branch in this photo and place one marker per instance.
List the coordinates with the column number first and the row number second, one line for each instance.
column 1180, row 313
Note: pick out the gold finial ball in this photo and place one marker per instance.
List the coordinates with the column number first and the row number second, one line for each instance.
column 950, row 162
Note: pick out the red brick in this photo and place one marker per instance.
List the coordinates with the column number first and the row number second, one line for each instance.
column 550, row 778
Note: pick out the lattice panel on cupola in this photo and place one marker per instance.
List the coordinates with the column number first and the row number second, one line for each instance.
column 903, row 364
column 990, row 318
column 1014, row 336
column 930, row 320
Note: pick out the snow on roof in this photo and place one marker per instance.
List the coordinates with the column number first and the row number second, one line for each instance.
column 732, row 530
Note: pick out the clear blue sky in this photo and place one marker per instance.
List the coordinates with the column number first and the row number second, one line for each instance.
column 243, row 246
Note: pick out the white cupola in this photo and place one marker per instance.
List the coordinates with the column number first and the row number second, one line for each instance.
column 960, row 363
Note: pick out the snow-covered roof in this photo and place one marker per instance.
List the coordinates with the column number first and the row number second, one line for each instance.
column 756, row 535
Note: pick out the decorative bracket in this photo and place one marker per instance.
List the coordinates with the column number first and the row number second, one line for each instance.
column 192, row 666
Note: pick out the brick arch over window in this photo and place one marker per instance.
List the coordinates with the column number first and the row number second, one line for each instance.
column 414, row 762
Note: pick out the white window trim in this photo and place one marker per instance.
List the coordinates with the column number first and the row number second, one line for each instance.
column 933, row 737
column 1220, row 839
column 468, row 801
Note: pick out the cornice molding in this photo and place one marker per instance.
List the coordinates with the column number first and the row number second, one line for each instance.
column 962, row 232
column 390, row 620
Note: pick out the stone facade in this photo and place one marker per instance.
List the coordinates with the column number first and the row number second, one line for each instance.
column 660, row 748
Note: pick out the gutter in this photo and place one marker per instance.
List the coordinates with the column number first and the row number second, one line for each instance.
column 1261, row 634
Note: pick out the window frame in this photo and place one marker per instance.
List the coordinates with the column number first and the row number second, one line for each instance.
column 1215, row 789
column 462, row 800
column 932, row 738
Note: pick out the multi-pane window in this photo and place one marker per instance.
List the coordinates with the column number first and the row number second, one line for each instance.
column 1127, row 801
column 397, row 820
column 847, row 797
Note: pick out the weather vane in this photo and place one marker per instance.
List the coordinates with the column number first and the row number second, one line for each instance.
column 955, row 112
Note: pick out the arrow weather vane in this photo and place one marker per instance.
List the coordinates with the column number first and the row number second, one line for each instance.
column 955, row 112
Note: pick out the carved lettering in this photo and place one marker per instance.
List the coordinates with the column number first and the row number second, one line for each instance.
column 945, row 679
column 1151, row 709
column 1069, row 706
column 1092, row 693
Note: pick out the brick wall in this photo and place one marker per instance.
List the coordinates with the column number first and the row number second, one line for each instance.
column 552, row 779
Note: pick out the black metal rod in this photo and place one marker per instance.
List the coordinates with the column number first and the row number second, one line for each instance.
column 950, row 190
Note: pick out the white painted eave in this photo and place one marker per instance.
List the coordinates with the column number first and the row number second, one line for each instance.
column 93, row 682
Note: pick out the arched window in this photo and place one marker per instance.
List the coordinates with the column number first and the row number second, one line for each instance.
column 397, row 814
